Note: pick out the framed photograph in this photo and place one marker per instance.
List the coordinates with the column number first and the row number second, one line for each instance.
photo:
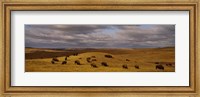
column 100, row 47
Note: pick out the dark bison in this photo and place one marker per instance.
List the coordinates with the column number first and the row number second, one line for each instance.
column 52, row 62
column 104, row 64
column 88, row 59
column 77, row 62
column 169, row 64
column 137, row 67
column 93, row 57
column 65, row 58
column 76, row 54
column 159, row 67
column 156, row 62
column 108, row 56
column 125, row 66
column 127, row 60
column 64, row 62
column 94, row 65
column 55, row 59
column 94, row 60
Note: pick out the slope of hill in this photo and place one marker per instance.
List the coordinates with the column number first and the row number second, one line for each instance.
column 136, row 60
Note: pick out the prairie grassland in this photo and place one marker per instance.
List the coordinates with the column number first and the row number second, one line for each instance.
column 144, row 58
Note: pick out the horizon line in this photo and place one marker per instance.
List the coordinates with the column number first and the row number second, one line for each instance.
column 97, row 47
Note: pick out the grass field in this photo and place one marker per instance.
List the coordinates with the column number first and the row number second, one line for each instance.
column 39, row 60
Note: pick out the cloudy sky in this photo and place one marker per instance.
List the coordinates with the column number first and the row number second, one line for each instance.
column 99, row 36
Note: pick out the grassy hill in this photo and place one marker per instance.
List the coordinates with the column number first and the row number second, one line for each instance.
column 39, row 60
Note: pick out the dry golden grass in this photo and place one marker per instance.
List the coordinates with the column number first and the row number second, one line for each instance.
column 144, row 58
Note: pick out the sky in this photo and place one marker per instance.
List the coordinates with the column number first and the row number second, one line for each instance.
column 99, row 36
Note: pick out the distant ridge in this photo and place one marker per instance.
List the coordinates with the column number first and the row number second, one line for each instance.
column 96, row 48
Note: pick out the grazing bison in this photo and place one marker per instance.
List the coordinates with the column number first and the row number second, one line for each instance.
column 125, row 66
column 159, row 67
column 93, row 57
column 94, row 65
column 156, row 62
column 55, row 59
column 127, row 60
column 137, row 67
column 88, row 59
column 169, row 64
column 104, row 64
column 64, row 62
column 108, row 56
column 52, row 62
column 65, row 58
column 76, row 54
column 94, row 60
column 77, row 62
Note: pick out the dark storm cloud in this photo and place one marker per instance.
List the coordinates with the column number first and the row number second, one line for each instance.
column 77, row 29
column 95, row 36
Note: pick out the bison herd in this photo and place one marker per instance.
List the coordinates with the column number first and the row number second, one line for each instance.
column 159, row 65
column 92, row 59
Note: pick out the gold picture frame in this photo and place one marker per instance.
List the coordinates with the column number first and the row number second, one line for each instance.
column 122, row 5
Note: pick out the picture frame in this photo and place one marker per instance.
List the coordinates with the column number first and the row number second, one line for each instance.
column 118, row 5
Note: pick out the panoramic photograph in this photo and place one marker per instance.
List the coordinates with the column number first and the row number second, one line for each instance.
column 99, row 48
